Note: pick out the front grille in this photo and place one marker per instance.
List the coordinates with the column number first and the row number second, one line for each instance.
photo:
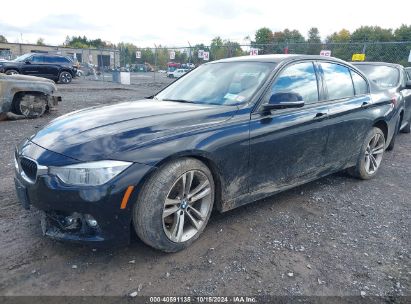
column 29, row 167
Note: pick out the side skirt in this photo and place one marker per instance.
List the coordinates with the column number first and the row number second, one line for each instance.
column 272, row 190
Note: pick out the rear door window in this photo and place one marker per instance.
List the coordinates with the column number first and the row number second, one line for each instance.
column 37, row 59
column 50, row 59
column 63, row 60
column 360, row 85
column 338, row 80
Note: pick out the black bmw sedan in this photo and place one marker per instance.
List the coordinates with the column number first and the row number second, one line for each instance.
column 226, row 134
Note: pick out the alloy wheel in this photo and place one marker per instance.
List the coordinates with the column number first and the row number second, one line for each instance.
column 32, row 106
column 11, row 72
column 65, row 77
column 373, row 153
column 187, row 206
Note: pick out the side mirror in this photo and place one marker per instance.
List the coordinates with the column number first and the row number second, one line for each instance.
column 408, row 84
column 27, row 62
column 284, row 100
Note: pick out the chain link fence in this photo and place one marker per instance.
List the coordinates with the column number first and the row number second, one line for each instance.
column 162, row 64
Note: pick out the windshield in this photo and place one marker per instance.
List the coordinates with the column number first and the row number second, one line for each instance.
column 23, row 57
column 223, row 83
column 383, row 76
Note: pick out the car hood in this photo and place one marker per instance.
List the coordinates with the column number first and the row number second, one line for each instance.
column 19, row 77
column 100, row 132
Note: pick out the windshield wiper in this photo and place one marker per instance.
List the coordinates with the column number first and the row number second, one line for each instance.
column 179, row 100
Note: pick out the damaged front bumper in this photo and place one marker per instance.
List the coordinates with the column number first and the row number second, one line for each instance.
column 88, row 215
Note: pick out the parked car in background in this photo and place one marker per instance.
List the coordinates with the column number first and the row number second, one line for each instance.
column 54, row 67
column 177, row 73
column 228, row 133
column 188, row 66
column 86, row 69
column 394, row 79
column 408, row 70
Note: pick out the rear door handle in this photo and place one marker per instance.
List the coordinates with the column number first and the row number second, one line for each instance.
column 320, row 116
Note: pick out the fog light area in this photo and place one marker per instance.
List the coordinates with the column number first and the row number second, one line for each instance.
column 90, row 220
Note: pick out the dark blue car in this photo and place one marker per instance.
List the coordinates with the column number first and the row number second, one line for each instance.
column 226, row 134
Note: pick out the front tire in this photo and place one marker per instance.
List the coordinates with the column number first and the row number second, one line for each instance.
column 31, row 106
column 174, row 205
column 371, row 155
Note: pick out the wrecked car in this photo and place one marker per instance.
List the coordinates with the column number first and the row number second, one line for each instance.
column 23, row 96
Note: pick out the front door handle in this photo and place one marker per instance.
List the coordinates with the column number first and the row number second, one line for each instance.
column 365, row 104
column 320, row 116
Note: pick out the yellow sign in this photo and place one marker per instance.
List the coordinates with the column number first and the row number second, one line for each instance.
column 358, row 57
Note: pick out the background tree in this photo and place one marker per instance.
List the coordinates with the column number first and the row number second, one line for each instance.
column 217, row 49
column 314, row 35
column 314, row 41
column 403, row 33
column 284, row 38
column 372, row 34
column 3, row 39
column 338, row 44
column 40, row 41
column 263, row 36
column 83, row 42
column 127, row 53
column 342, row 36
column 233, row 49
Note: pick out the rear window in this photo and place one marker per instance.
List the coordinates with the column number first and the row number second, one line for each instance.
column 383, row 76
column 55, row 59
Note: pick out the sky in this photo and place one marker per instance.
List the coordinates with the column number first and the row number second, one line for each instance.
column 177, row 23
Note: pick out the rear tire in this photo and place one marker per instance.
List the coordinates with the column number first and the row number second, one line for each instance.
column 12, row 72
column 371, row 154
column 169, row 216
column 407, row 128
column 65, row 77
column 390, row 147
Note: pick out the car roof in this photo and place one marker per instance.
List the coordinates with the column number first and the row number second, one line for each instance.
column 277, row 58
column 47, row 54
column 376, row 63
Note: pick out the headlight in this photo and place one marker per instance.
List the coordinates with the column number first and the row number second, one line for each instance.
column 89, row 174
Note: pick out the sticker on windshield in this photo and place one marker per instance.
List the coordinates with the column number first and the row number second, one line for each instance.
column 234, row 97
column 230, row 96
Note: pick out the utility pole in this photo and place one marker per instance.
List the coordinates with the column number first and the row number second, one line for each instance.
column 155, row 61
column 189, row 57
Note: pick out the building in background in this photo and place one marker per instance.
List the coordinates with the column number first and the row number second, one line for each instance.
column 108, row 58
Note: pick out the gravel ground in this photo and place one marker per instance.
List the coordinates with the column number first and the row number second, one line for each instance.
column 337, row 236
